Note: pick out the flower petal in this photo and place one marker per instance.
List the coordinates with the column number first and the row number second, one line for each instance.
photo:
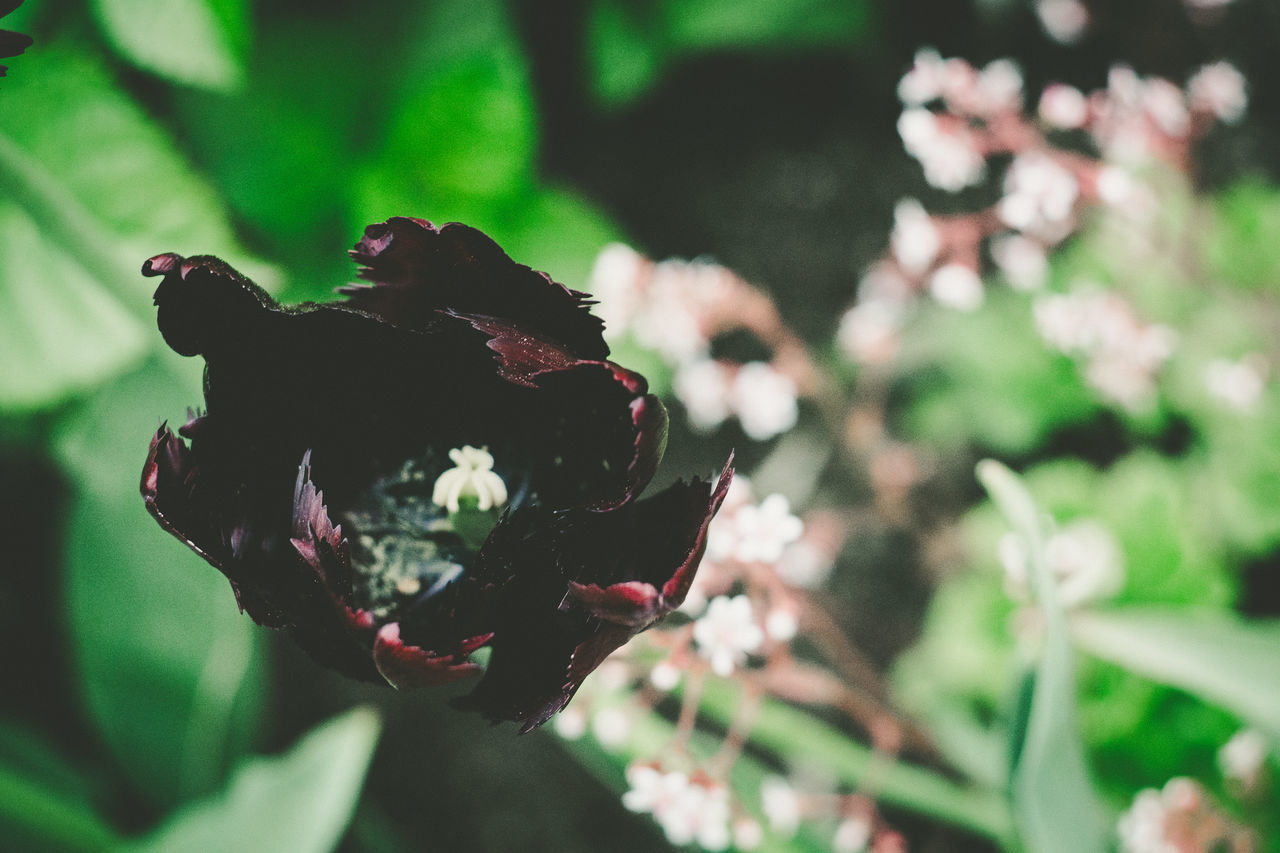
column 597, row 415
column 404, row 665
column 418, row 269
column 576, row 586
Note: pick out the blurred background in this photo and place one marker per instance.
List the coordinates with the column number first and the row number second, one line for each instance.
column 1120, row 355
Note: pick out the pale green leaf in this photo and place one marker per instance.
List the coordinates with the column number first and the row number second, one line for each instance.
column 92, row 189
column 300, row 801
column 60, row 332
column 187, row 41
column 170, row 669
column 1223, row 659
column 1055, row 806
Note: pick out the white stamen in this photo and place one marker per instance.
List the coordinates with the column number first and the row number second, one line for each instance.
column 473, row 477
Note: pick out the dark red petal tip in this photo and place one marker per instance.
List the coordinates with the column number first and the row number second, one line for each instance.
column 417, row 270
column 634, row 604
column 404, row 665
column 161, row 264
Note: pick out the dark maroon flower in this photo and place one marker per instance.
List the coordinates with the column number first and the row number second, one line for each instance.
column 444, row 461
column 11, row 43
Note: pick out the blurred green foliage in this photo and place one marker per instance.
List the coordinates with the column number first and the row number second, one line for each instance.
column 270, row 136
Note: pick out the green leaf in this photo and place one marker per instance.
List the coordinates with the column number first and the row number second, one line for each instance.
column 171, row 671
column 462, row 132
column 1225, row 660
column 197, row 42
column 60, row 332
column 35, row 817
column 625, row 56
column 629, row 43
column 281, row 149
column 706, row 24
column 966, row 393
column 93, row 188
column 1245, row 217
column 300, row 801
column 1055, row 806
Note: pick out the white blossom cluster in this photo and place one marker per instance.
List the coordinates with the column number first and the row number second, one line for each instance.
column 1143, row 828
column 690, row 809
column 1179, row 817
column 950, row 152
column 727, row 632
column 761, row 397
column 955, row 117
column 1136, row 117
column 765, row 536
column 1122, row 353
column 671, row 308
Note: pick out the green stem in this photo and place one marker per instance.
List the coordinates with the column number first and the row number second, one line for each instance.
column 800, row 738
column 39, row 815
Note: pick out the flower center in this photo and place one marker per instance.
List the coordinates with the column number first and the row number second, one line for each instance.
column 415, row 536
column 473, row 477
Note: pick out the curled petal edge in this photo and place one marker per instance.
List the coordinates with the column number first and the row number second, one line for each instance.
column 404, row 665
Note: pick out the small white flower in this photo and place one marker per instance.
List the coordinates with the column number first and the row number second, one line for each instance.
column 1141, row 828
column 868, row 332
column 1242, row 757
column 1064, row 20
column 702, row 386
column 1167, row 106
column 613, row 675
column 883, row 282
column 762, row 532
column 667, row 321
column 473, row 477
column 923, row 82
column 1123, row 354
column 1063, row 107
column 915, row 239
column 918, row 128
column 727, row 633
column 687, row 810
column 1000, row 87
column 781, row 805
column 949, row 157
column 764, row 399
column 1238, row 383
column 1021, row 259
column 1219, row 89
column 665, row 676
column 1115, row 185
column 611, row 727
column 748, row 834
column 781, row 624
column 571, row 723
column 852, row 835
column 804, row 565
column 957, row 286
column 1039, row 196
column 712, row 817
column 615, row 283
column 651, row 790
